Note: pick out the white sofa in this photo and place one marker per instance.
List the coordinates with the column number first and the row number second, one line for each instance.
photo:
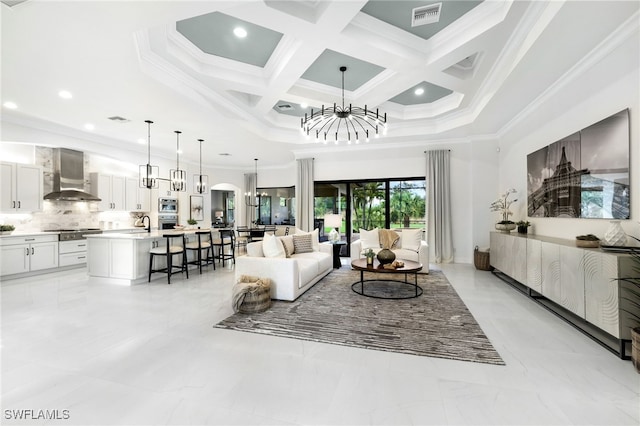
column 415, row 249
column 290, row 276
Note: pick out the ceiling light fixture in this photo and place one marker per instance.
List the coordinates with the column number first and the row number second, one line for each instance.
column 89, row 126
column 240, row 32
column 148, row 174
column 341, row 123
column 10, row 105
column 64, row 94
column 419, row 91
column 177, row 176
column 201, row 181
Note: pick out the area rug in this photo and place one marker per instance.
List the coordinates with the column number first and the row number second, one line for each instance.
column 435, row 324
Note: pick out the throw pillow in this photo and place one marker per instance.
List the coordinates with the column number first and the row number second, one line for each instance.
column 410, row 239
column 272, row 247
column 315, row 237
column 287, row 243
column 369, row 239
column 302, row 243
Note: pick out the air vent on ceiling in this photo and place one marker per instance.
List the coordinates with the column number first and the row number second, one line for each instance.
column 119, row 119
column 285, row 107
column 12, row 3
column 426, row 14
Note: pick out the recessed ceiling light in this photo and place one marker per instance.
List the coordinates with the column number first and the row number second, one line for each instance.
column 419, row 91
column 304, row 105
column 141, row 141
column 10, row 105
column 240, row 32
column 179, row 151
column 89, row 126
column 65, row 94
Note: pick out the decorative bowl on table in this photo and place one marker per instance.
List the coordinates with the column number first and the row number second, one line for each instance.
column 178, row 227
column 587, row 241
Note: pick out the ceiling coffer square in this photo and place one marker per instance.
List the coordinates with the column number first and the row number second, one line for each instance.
column 426, row 14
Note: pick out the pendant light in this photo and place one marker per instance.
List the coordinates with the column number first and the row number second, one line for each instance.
column 201, row 182
column 178, row 177
column 253, row 199
column 148, row 174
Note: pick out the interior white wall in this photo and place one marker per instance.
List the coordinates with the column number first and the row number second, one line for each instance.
column 609, row 93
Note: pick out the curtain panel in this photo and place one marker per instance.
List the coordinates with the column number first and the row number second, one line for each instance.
column 439, row 205
column 304, row 195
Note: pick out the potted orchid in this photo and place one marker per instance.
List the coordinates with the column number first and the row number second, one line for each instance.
column 502, row 205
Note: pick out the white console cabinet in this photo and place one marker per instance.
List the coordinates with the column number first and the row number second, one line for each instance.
column 580, row 281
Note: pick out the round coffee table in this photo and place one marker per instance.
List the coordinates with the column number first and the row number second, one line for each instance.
column 410, row 267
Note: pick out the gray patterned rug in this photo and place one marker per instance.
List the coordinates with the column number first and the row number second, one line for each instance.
column 436, row 324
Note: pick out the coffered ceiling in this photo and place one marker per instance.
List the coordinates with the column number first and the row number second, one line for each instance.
column 180, row 64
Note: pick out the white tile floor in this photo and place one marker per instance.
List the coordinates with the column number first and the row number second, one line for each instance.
column 149, row 355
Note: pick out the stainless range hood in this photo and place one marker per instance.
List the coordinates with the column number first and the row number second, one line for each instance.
column 68, row 177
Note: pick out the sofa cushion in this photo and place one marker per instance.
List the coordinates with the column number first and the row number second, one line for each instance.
column 315, row 237
column 307, row 268
column 302, row 243
column 410, row 239
column 287, row 243
column 255, row 249
column 369, row 239
column 406, row 254
column 272, row 246
column 324, row 260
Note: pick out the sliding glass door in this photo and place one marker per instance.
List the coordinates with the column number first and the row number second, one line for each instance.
column 369, row 204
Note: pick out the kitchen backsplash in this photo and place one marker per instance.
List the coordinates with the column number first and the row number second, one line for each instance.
column 69, row 215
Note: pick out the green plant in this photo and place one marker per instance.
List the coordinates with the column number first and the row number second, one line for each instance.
column 192, row 222
column 7, row 228
column 369, row 253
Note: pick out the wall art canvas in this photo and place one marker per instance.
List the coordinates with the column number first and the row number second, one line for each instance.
column 196, row 207
column 584, row 175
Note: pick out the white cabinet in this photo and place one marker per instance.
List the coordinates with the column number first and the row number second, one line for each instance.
column 137, row 199
column 110, row 189
column 123, row 260
column 21, row 189
column 27, row 254
column 72, row 253
column 601, row 291
column 503, row 248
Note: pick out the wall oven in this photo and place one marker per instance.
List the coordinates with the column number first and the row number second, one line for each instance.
column 167, row 221
column 168, row 206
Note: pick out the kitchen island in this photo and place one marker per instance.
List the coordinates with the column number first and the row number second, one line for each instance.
column 123, row 258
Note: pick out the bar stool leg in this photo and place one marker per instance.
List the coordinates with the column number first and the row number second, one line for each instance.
column 169, row 266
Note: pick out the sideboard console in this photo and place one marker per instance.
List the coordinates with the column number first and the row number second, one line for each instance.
column 580, row 283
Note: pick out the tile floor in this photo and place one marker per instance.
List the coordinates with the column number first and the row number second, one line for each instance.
column 148, row 354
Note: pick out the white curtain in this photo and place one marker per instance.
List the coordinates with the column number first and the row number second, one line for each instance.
column 250, row 180
column 439, row 205
column 304, row 195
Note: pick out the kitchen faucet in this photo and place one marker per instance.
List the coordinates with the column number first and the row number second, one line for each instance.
column 148, row 228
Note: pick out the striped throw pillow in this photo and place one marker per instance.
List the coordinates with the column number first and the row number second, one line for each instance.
column 302, row 243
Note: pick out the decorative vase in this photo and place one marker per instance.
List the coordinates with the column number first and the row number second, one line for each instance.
column 386, row 256
column 615, row 236
column 369, row 260
column 505, row 227
column 522, row 229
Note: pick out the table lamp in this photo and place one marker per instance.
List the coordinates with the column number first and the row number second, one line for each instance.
column 334, row 221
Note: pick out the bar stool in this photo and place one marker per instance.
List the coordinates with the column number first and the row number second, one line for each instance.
column 242, row 238
column 169, row 251
column 203, row 242
column 227, row 239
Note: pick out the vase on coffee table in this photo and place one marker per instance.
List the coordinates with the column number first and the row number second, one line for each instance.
column 386, row 256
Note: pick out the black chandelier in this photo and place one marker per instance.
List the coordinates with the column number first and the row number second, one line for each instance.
column 343, row 124
column 201, row 184
column 177, row 176
column 148, row 173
